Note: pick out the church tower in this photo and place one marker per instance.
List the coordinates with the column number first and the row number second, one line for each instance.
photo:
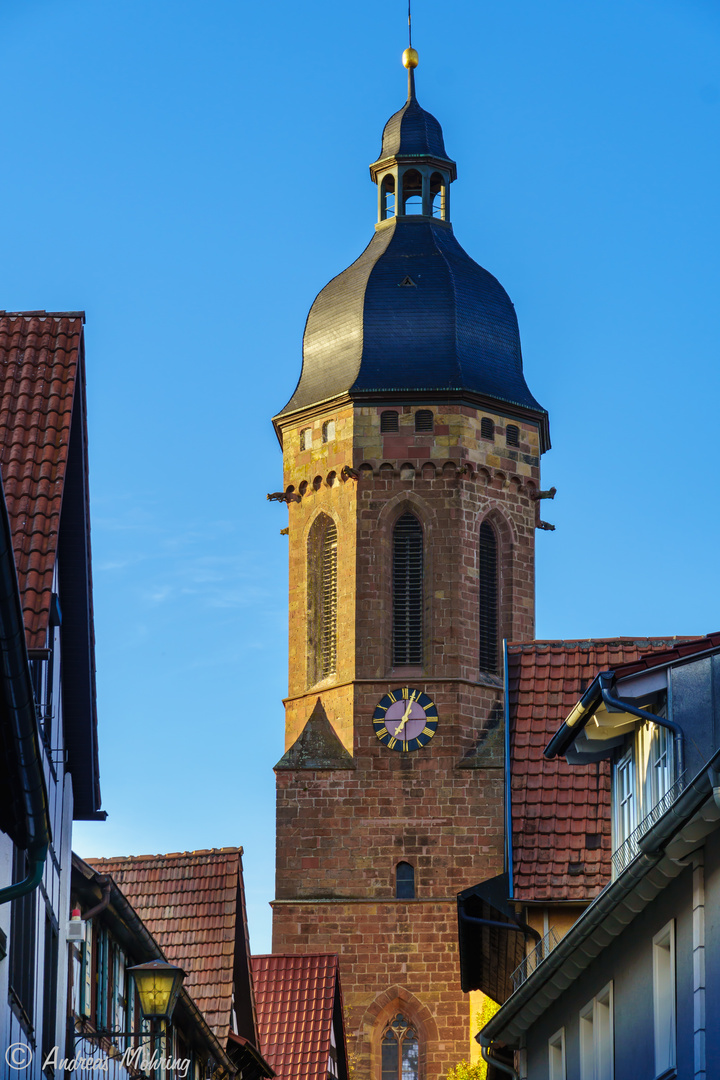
column 411, row 451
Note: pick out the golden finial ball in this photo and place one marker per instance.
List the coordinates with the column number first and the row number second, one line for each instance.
column 410, row 58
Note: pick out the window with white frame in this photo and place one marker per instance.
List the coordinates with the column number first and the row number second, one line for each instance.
column 643, row 776
column 664, row 998
column 625, row 817
column 596, row 1037
column 556, row 1056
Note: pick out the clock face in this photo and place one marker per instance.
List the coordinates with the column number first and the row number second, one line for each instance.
column 405, row 719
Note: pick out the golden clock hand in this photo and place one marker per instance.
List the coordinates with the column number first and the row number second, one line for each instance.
column 406, row 714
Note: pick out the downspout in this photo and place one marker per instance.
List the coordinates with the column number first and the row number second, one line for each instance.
column 508, row 777
column 485, row 1047
column 606, row 680
column 33, row 879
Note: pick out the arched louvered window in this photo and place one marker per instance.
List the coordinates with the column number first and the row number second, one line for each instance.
column 322, row 599
column 512, row 435
column 487, row 428
column 423, row 420
column 389, row 420
column 404, row 881
column 400, row 1050
column 407, row 591
column 488, row 574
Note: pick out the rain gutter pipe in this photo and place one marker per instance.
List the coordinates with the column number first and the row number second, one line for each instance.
column 22, row 718
column 485, row 1047
column 518, row 926
column 508, row 777
column 606, row 680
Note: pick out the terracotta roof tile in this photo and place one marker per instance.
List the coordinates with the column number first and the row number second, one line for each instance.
column 190, row 903
column 39, row 358
column 555, row 806
column 295, row 1000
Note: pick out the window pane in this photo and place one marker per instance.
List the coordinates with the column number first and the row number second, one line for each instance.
column 410, row 1058
column 389, row 1057
column 404, row 881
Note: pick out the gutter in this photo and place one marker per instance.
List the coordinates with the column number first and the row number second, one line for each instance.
column 606, row 680
column 22, row 717
column 597, row 692
column 485, row 1048
column 508, row 778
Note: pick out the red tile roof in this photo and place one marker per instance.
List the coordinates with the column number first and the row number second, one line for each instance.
column 295, row 1002
column 193, row 904
column 561, row 813
column 40, row 354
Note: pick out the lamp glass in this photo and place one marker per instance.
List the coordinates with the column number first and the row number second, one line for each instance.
column 158, row 985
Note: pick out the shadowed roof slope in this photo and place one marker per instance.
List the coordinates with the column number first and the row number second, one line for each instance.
column 193, row 903
column 40, row 361
column 297, row 999
column 561, row 813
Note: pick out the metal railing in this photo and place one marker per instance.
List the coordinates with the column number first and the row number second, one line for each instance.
column 534, row 958
column 630, row 848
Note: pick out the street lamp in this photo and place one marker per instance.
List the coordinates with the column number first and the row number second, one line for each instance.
column 158, row 985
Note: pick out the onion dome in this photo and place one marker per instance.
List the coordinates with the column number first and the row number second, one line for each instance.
column 414, row 317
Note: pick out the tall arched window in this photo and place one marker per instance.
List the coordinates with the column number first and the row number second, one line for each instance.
column 400, row 1050
column 404, row 881
column 407, row 591
column 322, row 599
column 488, row 575
column 487, row 428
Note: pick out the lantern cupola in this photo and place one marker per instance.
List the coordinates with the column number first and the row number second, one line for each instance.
column 413, row 172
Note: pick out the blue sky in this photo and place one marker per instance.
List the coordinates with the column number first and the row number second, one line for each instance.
column 191, row 174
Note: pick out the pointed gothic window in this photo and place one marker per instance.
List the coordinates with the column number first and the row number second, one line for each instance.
column 488, row 575
column 400, row 1050
column 407, row 591
column 322, row 599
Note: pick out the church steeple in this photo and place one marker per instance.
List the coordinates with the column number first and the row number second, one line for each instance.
column 411, row 449
column 413, row 171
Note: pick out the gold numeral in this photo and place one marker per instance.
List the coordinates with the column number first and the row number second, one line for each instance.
column 392, row 696
column 427, row 731
column 383, row 707
column 405, row 746
column 405, row 692
column 393, row 742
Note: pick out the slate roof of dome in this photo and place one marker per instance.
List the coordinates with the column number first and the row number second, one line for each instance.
column 453, row 328
column 413, row 132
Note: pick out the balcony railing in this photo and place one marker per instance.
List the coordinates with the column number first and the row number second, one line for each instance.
column 630, row 848
column 534, row 958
